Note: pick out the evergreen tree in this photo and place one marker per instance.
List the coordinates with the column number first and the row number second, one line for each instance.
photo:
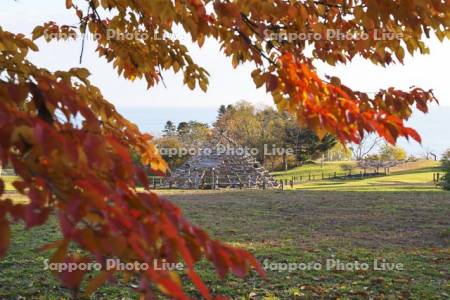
column 169, row 129
column 222, row 110
column 307, row 145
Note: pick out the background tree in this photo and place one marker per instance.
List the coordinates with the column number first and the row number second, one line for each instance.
column 390, row 152
column 239, row 123
column 306, row 144
column 271, row 134
column 193, row 134
column 266, row 128
column 84, row 171
column 221, row 111
column 429, row 153
column 339, row 152
column 367, row 145
column 446, row 166
column 170, row 129
column 170, row 148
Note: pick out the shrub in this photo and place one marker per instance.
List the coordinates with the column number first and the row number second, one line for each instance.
column 446, row 166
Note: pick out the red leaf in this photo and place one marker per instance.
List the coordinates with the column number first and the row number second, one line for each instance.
column 72, row 278
column 17, row 211
column 5, row 234
column 19, row 186
column 65, row 224
column 35, row 216
column 414, row 134
column 142, row 177
column 271, row 83
column 199, row 284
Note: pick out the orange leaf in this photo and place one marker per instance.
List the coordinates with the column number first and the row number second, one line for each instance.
column 96, row 282
column 69, row 4
column 414, row 134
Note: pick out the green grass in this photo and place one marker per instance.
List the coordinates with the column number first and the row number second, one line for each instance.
column 316, row 169
column 402, row 218
column 411, row 176
column 329, row 168
column 422, row 181
column 292, row 226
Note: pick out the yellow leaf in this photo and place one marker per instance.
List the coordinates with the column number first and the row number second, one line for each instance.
column 81, row 73
column 37, row 32
column 203, row 85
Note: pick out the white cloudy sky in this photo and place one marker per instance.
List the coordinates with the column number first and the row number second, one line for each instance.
column 227, row 85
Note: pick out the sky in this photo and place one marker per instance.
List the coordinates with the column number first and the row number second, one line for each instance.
column 227, row 85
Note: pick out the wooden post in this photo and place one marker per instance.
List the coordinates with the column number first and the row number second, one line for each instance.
column 292, row 184
column 264, row 183
column 437, row 177
column 281, row 185
column 309, row 177
column 334, row 174
column 301, row 177
column 154, row 184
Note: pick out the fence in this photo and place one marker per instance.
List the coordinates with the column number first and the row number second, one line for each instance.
column 297, row 179
column 438, row 177
column 159, row 182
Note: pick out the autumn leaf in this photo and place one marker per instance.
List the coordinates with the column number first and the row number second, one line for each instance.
column 5, row 235
column 272, row 83
column 96, row 282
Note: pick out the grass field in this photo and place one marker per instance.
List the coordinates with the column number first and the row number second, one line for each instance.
column 316, row 169
column 415, row 175
column 326, row 168
column 399, row 219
